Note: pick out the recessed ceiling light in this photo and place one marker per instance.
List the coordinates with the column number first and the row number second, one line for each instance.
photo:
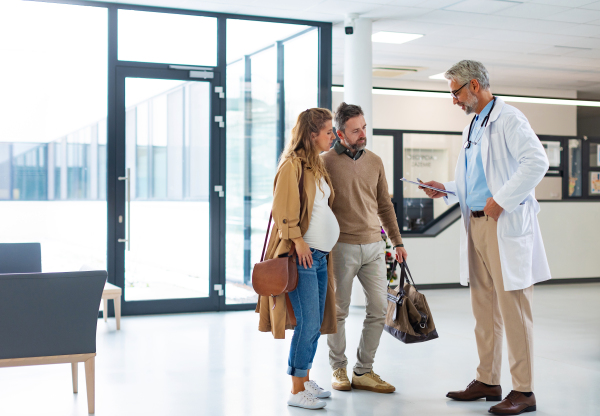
column 438, row 76
column 394, row 37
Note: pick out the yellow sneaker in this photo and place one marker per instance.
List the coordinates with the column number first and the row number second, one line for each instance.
column 372, row 382
column 339, row 380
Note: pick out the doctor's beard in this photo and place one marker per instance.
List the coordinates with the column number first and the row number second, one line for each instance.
column 471, row 103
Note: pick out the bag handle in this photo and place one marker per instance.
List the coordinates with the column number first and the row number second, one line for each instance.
column 405, row 274
column 300, row 189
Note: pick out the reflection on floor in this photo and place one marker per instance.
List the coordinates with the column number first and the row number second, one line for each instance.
column 219, row 364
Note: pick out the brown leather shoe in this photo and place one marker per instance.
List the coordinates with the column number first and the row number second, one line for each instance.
column 477, row 390
column 514, row 404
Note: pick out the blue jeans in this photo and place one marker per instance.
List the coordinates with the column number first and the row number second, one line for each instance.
column 308, row 301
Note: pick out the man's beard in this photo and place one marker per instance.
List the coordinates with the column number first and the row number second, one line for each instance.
column 471, row 103
column 357, row 147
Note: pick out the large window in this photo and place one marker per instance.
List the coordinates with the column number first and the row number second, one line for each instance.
column 53, row 132
column 145, row 141
column 167, row 38
column 272, row 76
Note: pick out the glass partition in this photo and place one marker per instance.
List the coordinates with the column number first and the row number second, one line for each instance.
column 167, row 38
column 426, row 157
column 301, row 76
column 53, row 133
column 272, row 76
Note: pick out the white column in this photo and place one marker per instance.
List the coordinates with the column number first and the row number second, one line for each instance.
column 358, row 86
column 358, row 70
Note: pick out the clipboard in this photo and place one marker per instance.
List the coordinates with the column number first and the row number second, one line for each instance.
column 429, row 187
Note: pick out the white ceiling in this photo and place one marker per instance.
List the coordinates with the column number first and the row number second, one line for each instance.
column 545, row 44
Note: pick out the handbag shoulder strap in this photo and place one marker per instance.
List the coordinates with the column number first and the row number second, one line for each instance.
column 300, row 191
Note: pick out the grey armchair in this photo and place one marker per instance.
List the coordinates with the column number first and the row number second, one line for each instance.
column 50, row 318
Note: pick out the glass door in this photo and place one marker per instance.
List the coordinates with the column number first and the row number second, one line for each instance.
column 167, row 201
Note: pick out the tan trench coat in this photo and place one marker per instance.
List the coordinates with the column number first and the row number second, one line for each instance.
column 290, row 223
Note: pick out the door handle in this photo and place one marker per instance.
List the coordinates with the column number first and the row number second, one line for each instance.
column 127, row 180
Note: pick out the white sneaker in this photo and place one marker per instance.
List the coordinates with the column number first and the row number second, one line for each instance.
column 305, row 400
column 313, row 388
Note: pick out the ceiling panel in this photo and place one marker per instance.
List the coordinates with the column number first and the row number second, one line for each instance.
column 527, row 10
column 592, row 6
column 480, row 6
column 493, row 21
column 498, row 45
column 341, row 7
column 395, row 12
column 581, row 30
column 406, row 26
column 289, row 4
column 572, row 3
column 574, row 16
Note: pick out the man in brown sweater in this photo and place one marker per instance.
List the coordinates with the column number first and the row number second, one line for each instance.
column 362, row 205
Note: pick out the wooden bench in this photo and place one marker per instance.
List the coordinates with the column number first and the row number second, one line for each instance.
column 112, row 292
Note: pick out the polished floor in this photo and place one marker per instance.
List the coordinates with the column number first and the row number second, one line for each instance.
column 219, row 364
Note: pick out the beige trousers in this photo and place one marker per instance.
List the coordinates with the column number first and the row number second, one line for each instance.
column 367, row 262
column 497, row 310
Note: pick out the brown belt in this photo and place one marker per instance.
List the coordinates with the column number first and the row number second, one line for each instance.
column 477, row 214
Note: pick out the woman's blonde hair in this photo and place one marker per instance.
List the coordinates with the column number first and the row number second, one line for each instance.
column 310, row 121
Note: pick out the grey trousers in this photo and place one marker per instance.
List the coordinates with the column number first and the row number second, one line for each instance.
column 367, row 262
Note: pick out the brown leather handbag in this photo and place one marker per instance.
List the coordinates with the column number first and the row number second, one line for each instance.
column 279, row 275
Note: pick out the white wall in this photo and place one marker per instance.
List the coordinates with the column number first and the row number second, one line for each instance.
column 569, row 229
column 570, row 232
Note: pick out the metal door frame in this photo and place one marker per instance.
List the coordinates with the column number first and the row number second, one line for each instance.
column 117, row 201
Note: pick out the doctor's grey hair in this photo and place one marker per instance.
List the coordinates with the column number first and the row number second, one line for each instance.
column 464, row 71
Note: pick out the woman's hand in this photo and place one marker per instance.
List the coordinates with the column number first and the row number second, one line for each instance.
column 304, row 253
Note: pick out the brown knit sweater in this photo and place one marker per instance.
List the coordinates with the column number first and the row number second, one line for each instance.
column 362, row 202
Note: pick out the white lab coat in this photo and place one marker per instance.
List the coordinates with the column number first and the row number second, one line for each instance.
column 514, row 162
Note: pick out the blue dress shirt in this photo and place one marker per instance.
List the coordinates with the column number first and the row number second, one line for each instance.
column 477, row 189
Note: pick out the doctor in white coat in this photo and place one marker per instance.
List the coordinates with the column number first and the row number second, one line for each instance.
column 502, row 253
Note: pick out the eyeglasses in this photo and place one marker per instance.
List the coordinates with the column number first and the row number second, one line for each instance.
column 454, row 93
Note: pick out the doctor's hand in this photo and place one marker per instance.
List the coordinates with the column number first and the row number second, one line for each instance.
column 401, row 254
column 492, row 209
column 430, row 192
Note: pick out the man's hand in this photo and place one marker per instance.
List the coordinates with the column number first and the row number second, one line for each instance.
column 430, row 192
column 401, row 254
column 492, row 209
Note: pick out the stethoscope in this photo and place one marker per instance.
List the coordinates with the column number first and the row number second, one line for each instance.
column 483, row 124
